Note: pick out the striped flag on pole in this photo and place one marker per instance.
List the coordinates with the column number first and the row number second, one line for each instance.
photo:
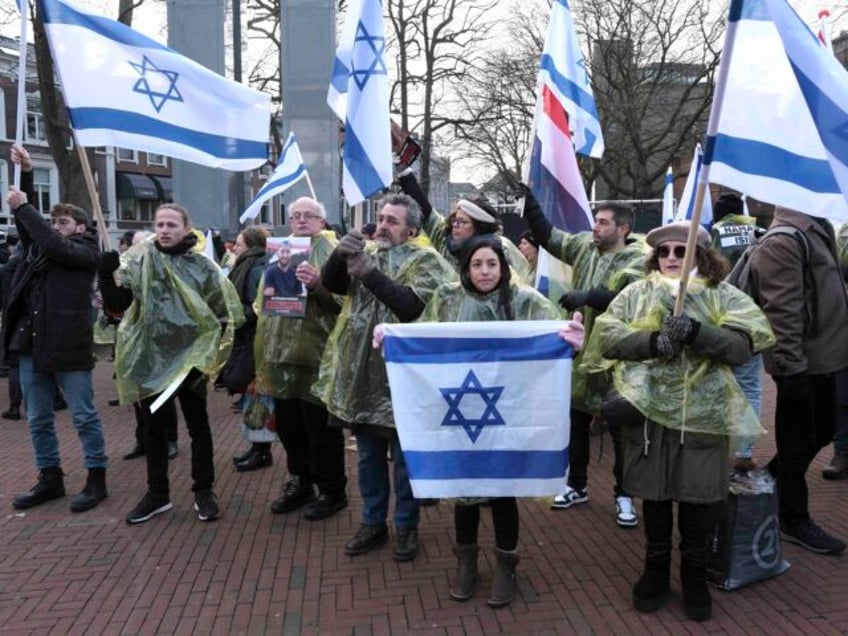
column 290, row 169
column 687, row 199
column 481, row 410
column 668, row 197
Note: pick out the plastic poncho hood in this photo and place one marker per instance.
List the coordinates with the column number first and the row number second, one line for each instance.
column 690, row 392
column 183, row 316
column 352, row 380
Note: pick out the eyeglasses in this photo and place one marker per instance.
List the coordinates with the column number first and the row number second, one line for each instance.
column 679, row 251
column 62, row 220
column 298, row 216
column 457, row 222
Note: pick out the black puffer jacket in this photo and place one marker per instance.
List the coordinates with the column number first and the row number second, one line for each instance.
column 48, row 312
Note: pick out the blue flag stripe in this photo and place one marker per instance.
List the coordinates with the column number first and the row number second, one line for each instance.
column 452, row 350
column 831, row 120
column 426, row 465
column 765, row 160
column 58, row 13
column 282, row 182
column 568, row 88
column 125, row 121
column 560, row 206
column 742, row 10
column 359, row 165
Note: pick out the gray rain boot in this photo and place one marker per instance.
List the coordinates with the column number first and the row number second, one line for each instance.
column 51, row 485
column 464, row 581
column 503, row 583
column 93, row 493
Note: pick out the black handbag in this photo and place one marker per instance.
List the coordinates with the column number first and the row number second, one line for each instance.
column 240, row 368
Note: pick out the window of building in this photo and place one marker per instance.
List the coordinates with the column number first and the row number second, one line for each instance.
column 127, row 155
column 156, row 160
column 42, row 178
column 35, row 129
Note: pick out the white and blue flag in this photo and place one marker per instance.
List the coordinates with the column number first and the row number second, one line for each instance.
column 290, row 169
column 668, row 197
column 563, row 70
column 481, row 409
column 780, row 135
column 687, row 200
column 124, row 89
column 359, row 96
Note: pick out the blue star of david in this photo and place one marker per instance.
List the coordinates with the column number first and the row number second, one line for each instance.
column 148, row 69
column 377, row 45
column 471, row 386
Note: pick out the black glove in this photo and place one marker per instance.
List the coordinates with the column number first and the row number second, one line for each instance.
column 574, row 299
column 109, row 262
column 681, row 328
column 350, row 244
column 793, row 387
column 539, row 224
column 599, row 298
column 664, row 347
column 360, row 264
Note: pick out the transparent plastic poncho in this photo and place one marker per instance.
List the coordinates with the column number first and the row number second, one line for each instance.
column 183, row 316
column 453, row 303
column 352, row 380
column 689, row 392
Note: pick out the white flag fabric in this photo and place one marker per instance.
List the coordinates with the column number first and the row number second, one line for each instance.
column 481, row 408
column 290, row 169
column 687, row 200
column 668, row 197
column 563, row 71
column 125, row 89
column 780, row 136
column 359, row 96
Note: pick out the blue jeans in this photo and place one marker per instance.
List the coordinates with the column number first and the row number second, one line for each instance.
column 38, row 390
column 749, row 376
column 373, row 462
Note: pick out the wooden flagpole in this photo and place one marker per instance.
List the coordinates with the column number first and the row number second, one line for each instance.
column 92, row 193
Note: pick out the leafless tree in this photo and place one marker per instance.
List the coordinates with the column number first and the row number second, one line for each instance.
column 435, row 43
column 652, row 66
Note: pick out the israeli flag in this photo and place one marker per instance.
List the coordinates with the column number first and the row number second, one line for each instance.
column 481, row 409
column 668, row 197
column 290, row 169
column 563, row 71
column 124, row 89
column 359, row 96
column 687, row 200
column 780, row 134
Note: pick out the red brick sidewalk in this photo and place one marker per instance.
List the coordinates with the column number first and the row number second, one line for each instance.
column 255, row 573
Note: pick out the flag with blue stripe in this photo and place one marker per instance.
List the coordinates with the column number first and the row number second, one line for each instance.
column 668, row 197
column 481, row 408
column 290, row 169
column 687, row 200
column 563, row 70
column 781, row 133
column 359, row 96
column 124, row 89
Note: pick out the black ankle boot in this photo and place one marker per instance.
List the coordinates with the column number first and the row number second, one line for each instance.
column 694, row 522
column 697, row 601
column 651, row 590
column 93, row 493
column 51, row 485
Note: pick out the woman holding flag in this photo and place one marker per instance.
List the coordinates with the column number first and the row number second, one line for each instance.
column 487, row 291
column 677, row 403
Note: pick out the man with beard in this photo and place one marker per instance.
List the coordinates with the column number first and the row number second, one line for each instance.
column 280, row 277
column 603, row 262
column 470, row 217
column 389, row 279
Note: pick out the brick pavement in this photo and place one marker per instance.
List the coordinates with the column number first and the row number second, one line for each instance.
column 255, row 573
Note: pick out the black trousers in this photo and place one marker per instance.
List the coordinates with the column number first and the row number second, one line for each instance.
column 466, row 521
column 16, row 395
column 192, row 397
column 314, row 450
column 578, row 449
column 802, row 427
column 169, row 409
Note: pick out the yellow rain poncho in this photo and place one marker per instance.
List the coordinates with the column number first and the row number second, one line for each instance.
column 183, row 316
column 689, row 392
column 288, row 350
column 592, row 269
column 439, row 233
column 352, row 381
column 453, row 303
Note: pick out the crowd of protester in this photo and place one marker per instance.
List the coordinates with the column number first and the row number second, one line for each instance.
column 183, row 321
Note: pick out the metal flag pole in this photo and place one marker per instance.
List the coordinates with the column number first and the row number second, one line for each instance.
column 22, row 103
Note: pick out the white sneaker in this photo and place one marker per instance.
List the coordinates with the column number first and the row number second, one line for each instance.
column 625, row 512
column 569, row 498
